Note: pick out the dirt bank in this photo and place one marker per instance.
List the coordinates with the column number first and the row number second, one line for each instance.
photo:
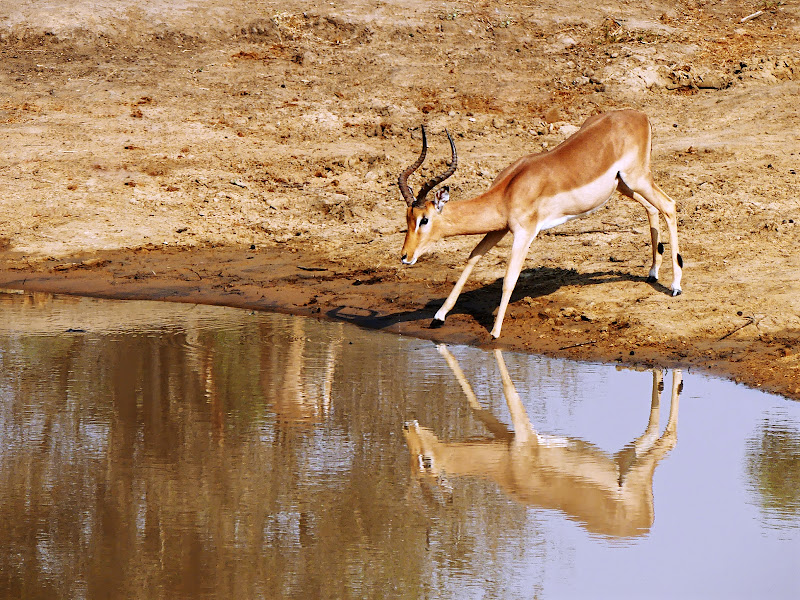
column 247, row 153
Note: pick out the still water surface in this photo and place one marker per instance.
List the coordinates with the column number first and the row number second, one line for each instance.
column 154, row 450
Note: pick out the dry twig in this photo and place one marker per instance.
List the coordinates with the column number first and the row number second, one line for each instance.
column 755, row 15
column 589, row 343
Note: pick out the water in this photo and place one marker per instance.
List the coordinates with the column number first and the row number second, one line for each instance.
column 155, row 450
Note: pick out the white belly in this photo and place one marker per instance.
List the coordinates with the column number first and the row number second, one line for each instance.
column 577, row 202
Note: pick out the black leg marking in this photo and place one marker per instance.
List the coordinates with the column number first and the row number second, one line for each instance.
column 680, row 261
column 435, row 324
column 660, row 248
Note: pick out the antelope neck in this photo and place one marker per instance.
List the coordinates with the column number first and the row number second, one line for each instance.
column 480, row 214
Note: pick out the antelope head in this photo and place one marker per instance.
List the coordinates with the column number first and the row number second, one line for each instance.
column 423, row 216
column 423, row 445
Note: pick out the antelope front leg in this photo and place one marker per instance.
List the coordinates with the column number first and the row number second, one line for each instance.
column 518, row 253
column 488, row 242
column 524, row 433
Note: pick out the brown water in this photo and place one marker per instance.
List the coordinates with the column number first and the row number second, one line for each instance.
column 155, row 450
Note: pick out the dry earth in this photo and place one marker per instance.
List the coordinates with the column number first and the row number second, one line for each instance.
column 246, row 153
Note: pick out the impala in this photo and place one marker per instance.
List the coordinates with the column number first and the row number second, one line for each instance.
column 609, row 152
column 609, row 494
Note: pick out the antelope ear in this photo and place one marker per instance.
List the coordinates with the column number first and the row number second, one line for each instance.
column 442, row 195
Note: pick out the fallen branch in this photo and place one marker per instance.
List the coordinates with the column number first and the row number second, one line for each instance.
column 569, row 233
column 578, row 345
column 750, row 321
column 755, row 15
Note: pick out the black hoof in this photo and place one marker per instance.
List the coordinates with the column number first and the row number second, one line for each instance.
column 651, row 279
column 435, row 324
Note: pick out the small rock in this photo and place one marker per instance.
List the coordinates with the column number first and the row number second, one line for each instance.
column 566, row 41
column 568, row 129
column 569, row 312
column 711, row 81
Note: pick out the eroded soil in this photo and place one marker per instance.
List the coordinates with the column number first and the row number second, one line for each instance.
column 246, row 153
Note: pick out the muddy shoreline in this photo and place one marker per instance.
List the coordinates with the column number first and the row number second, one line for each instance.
column 289, row 280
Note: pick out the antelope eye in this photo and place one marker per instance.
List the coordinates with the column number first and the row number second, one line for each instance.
column 423, row 221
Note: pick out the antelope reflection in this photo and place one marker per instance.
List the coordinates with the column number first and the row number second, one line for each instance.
column 608, row 494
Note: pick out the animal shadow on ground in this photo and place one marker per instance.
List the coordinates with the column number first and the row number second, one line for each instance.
column 482, row 302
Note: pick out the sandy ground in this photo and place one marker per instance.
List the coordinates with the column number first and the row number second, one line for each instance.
column 246, row 153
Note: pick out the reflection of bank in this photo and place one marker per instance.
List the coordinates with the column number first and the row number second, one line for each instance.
column 608, row 494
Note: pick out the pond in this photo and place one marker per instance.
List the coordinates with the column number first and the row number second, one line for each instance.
column 154, row 450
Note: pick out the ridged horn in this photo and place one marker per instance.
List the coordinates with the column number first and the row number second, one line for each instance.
column 402, row 181
column 434, row 181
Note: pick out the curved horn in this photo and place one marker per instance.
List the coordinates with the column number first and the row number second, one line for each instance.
column 432, row 183
column 402, row 181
